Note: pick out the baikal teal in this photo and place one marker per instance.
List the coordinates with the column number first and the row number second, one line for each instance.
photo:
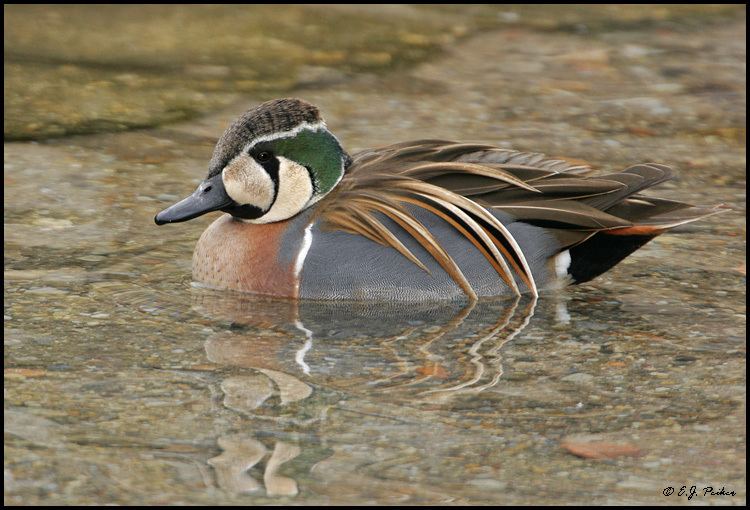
column 413, row 221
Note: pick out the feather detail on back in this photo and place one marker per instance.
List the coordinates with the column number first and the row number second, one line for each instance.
column 473, row 186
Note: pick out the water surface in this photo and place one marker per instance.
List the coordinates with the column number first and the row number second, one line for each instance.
column 125, row 384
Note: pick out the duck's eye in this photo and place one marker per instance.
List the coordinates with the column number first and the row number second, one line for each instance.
column 263, row 157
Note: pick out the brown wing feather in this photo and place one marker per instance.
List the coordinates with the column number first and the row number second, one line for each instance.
column 383, row 204
column 461, row 182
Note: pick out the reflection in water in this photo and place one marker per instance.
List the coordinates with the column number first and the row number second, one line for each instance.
column 499, row 336
column 424, row 353
column 414, row 352
column 299, row 357
column 244, row 393
column 240, row 454
column 291, row 389
column 277, row 485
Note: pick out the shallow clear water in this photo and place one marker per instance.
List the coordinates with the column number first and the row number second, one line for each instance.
column 125, row 384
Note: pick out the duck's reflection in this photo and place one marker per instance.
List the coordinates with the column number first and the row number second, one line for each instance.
column 407, row 351
column 423, row 354
column 241, row 453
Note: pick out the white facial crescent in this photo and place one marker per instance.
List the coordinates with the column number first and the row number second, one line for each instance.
column 248, row 183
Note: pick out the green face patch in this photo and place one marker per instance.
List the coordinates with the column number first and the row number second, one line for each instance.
column 319, row 151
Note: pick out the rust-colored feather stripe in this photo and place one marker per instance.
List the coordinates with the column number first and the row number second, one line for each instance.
column 455, row 202
column 662, row 213
column 407, row 153
column 418, row 231
column 469, row 184
column 558, row 187
column 635, row 179
column 386, row 237
column 427, row 170
column 478, row 237
column 438, row 176
column 563, row 212
column 465, row 183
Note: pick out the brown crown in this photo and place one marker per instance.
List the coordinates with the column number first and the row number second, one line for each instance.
column 270, row 117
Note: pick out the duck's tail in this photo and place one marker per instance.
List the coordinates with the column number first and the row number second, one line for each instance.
column 650, row 217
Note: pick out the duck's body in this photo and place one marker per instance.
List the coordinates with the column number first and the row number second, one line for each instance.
column 423, row 220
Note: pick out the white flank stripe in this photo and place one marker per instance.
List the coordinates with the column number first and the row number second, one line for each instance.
column 306, row 243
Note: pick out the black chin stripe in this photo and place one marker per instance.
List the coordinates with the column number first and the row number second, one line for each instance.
column 251, row 212
column 246, row 212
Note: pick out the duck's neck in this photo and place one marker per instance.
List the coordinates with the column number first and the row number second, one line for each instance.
column 257, row 258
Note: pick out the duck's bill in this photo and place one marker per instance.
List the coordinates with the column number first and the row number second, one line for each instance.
column 210, row 196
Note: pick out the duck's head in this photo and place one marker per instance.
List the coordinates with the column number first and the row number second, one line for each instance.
column 273, row 162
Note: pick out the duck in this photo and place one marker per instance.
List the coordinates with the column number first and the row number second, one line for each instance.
column 413, row 221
